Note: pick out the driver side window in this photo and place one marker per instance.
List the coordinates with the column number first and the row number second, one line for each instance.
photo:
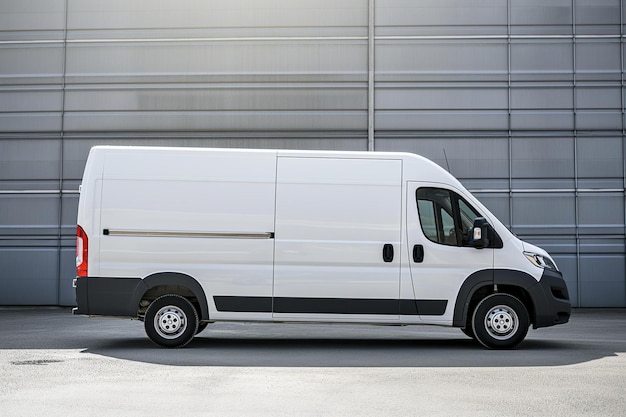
column 444, row 216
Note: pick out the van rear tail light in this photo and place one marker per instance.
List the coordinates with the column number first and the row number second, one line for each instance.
column 82, row 246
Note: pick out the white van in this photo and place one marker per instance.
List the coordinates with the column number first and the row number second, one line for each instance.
column 183, row 237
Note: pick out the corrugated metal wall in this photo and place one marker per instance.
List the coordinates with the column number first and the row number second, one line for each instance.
column 523, row 100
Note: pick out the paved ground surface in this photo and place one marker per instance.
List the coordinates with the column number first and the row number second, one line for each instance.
column 56, row 364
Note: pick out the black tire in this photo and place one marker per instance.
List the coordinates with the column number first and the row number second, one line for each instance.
column 171, row 321
column 500, row 321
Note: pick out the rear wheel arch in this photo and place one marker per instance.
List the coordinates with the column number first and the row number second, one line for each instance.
column 153, row 286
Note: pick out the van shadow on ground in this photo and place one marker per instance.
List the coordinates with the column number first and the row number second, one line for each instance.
column 293, row 349
column 590, row 335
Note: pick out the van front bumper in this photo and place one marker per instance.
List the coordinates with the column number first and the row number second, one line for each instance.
column 551, row 300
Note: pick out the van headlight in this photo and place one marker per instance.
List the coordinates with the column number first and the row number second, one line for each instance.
column 541, row 261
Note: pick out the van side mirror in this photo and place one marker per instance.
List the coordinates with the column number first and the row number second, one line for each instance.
column 480, row 233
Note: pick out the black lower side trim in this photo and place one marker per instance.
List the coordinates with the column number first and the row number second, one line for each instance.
column 243, row 304
column 296, row 305
column 430, row 307
column 335, row 306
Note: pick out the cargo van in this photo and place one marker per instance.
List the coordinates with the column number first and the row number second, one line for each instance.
column 183, row 237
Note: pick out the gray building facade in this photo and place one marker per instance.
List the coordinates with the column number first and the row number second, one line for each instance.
column 522, row 100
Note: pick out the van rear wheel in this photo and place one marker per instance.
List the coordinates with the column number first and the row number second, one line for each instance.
column 171, row 321
column 500, row 321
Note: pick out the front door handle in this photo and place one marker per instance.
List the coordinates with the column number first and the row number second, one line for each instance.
column 388, row 252
column 418, row 254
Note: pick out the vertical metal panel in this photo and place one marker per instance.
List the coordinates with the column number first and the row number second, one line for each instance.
column 28, row 276
column 541, row 60
column 598, row 58
column 543, row 158
column 601, row 213
column 602, row 283
column 601, row 157
column 33, row 159
column 543, row 214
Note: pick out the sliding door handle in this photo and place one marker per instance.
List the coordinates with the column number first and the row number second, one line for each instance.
column 388, row 252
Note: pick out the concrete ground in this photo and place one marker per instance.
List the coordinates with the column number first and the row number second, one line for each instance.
column 56, row 364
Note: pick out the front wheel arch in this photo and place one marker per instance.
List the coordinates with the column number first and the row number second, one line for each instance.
column 485, row 282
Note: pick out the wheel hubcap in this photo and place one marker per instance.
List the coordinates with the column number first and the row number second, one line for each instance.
column 170, row 322
column 501, row 322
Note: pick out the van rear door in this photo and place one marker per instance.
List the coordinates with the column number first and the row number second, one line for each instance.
column 338, row 235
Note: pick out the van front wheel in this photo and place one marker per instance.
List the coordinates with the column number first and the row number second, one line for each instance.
column 500, row 321
column 171, row 321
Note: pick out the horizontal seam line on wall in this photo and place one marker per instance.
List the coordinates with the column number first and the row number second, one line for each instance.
column 309, row 38
column 5, row 192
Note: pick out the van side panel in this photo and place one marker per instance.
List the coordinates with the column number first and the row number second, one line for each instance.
column 334, row 217
column 207, row 214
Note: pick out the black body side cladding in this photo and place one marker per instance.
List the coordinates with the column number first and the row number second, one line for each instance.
column 298, row 305
column 471, row 284
column 120, row 297
column 243, row 304
column 549, row 295
column 170, row 278
column 105, row 296
column 551, row 298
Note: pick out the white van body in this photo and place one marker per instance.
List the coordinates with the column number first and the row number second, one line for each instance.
column 301, row 236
